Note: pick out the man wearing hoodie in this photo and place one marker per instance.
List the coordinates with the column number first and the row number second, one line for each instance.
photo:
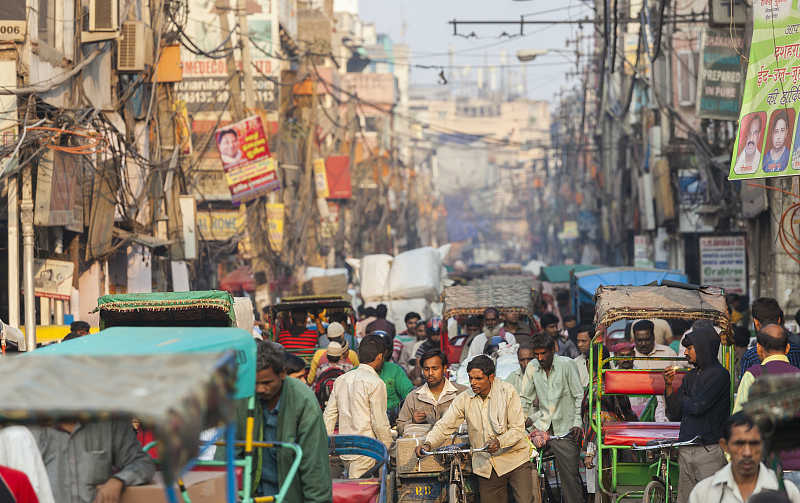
column 702, row 404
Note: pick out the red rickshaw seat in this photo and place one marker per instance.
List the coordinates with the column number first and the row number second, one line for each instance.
column 628, row 433
column 356, row 490
column 637, row 382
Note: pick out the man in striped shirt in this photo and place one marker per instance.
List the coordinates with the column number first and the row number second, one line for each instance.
column 298, row 336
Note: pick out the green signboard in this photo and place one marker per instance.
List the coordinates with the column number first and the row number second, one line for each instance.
column 768, row 143
column 720, row 79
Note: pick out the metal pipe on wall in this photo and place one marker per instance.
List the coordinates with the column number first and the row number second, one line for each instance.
column 26, row 217
column 13, row 251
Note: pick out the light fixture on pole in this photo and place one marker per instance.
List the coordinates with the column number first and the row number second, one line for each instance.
column 526, row 55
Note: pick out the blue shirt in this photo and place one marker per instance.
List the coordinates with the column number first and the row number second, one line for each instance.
column 269, row 470
column 750, row 357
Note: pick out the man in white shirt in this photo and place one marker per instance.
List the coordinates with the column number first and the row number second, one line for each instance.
column 491, row 318
column 358, row 401
column 585, row 334
column 646, row 347
column 745, row 475
column 750, row 158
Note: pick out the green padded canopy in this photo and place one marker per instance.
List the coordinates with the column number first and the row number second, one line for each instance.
column 187, row 309
column 560, row 273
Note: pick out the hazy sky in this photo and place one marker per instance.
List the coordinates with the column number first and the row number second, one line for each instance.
column 428, row 35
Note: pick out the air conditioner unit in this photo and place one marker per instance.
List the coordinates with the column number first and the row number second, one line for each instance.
column 103, row 15
column 135, row 47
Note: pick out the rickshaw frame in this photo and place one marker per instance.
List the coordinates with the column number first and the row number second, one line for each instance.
column 616, row 303
column 309, row 302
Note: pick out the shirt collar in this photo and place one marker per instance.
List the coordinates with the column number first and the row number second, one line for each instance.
column 367, row 368
column 766, row 479
column 426, row 390
column 656, row 349
column 277, row 405
column 775, row 358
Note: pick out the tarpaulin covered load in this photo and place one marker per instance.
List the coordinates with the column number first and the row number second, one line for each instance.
column 616, row 303
column 473, row 300
column 169, row 309
column 120, row 341
column 414, row 274
column 175, row 395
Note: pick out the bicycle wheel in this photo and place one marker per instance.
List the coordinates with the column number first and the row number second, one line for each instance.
column 655, row 492
column 454, row 494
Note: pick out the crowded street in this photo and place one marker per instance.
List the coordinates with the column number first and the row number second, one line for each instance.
column 397, row 251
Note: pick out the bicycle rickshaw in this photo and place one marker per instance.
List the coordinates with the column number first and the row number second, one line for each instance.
column 176, row 382
column 323, row 305
column 474, row 300
column 653, row 473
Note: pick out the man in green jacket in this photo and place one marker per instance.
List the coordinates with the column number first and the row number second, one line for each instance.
column 286, row 410
column 398, row 385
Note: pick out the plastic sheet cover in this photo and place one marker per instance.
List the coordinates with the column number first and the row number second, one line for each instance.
column 175, row 395
column 121, row 341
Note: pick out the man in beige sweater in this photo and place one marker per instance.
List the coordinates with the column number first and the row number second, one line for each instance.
column 495, row 420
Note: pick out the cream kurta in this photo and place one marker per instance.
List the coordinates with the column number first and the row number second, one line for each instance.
column 514, row 449
column 358, row 400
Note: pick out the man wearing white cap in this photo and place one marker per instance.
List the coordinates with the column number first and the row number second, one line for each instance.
column 337, row 347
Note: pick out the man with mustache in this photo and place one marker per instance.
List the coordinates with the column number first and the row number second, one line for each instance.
column 777, row 157
column 748, row 160
column 746, row 475
column 491, row 320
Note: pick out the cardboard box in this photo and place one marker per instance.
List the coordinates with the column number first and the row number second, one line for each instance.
column 408, row 462
column 326, row 285
column 203, row 487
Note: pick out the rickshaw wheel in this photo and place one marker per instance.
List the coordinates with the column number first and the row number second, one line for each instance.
column 655, row 492
column 454, row 494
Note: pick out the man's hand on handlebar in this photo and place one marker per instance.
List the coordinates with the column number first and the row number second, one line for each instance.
column 419, row 417
column 528, row 423
column 424, row 447
column 576, row 434
column 492, row 446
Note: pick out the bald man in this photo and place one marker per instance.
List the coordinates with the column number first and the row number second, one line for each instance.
column 772, row 347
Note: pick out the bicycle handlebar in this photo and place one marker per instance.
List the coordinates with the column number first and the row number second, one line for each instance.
column 445, row 450
column 674, row 443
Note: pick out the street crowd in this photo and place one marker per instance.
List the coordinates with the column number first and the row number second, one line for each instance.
column 370, row 383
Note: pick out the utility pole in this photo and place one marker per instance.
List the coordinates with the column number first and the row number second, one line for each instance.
column 244, row 37
column 13, row 251
column 27, row 258
column 233, row 78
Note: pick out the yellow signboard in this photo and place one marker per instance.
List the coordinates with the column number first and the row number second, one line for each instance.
column 321, row 178
column 275, row 216
column 218, row 225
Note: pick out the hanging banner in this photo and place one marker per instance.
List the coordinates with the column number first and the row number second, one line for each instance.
column 321, row 178
column 720, row 79
column 275, row 216
column 767, row 142
column 244, row 152
column 723, row 263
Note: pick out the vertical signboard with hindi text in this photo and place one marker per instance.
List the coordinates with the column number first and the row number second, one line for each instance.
column 244, row 152
column 768, row 141
column 723, row 263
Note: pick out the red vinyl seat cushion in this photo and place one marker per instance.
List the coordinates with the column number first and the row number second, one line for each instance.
column 628, row 433
column 356, row 490
column 637, row 382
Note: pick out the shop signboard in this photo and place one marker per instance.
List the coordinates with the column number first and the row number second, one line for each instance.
column 720, row 79
column 723, row 263
column 641, row 251
column 52, row 278
column 275, row 218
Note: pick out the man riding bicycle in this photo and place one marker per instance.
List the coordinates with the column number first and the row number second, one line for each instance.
column 495, row 420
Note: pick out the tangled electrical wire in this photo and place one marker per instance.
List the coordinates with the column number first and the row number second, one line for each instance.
column 788, row 238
